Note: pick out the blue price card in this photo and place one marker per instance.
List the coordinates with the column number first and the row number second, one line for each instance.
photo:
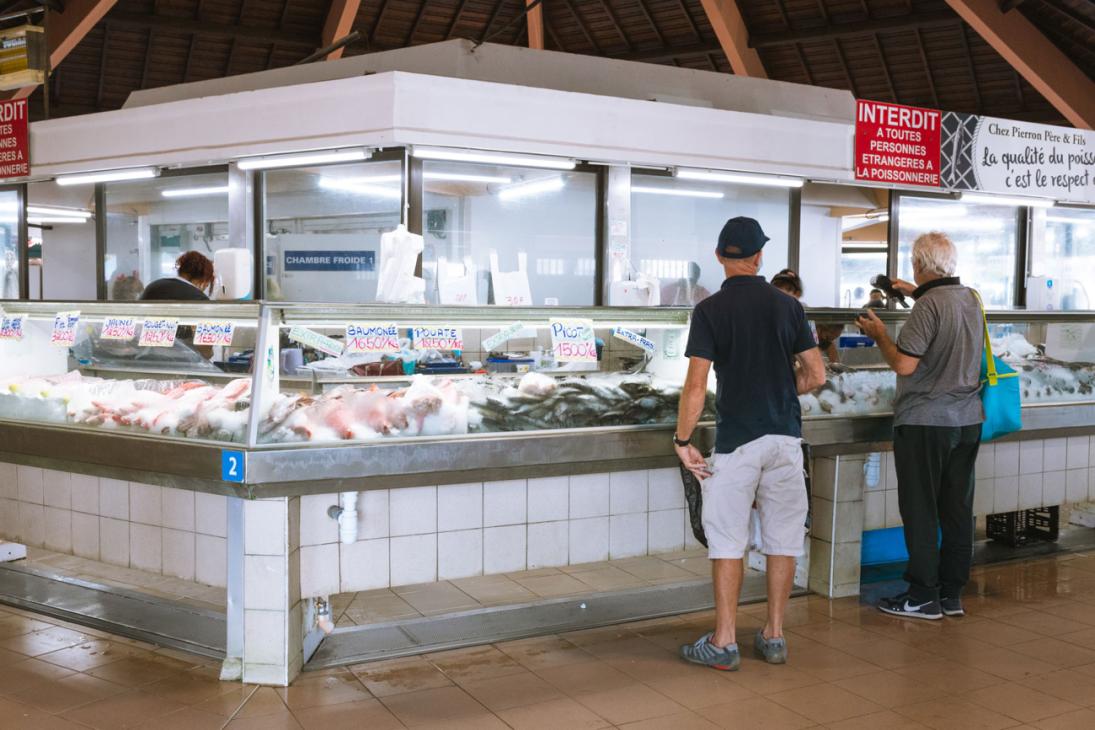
column 233, row 466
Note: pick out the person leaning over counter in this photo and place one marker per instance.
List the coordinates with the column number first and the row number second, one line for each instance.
column 937, row 427
column 753, row 334
column 193, row 283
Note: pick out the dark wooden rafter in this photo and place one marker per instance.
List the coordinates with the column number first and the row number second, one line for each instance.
column 490, row 21
column 1070, row 15
column 417, row 22
column 805, row 66
column 615, row 23
column 242, row 11
column 583, row 27
column 455, row 19
column 147, row 56
column 650, row 19
column 821, row 9
column 1019, row 89
column 1006, row 6
column 971, row 68
column 927, row 67
column 855, row 28
column 885, row 68
column 102, row 66
column 189, row 57
column 866, row 9
column 379, row 19
column 844, row 66
column 231, row 54
column 173, row 24
column 270, row 55
column 691, row 21
column 550, row 30
column 783, row 14
column 284, row 13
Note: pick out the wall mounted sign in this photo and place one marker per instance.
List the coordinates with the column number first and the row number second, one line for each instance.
column 330, row 260
column 14, row 149
column 897, row 144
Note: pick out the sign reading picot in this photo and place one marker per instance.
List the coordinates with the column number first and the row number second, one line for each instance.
column 14, row 148
column 897, row 144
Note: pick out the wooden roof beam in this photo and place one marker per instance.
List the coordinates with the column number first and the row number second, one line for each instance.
column 535, row 19
column 1053, row 74
column 855, row 28
column 729, row 26
column 340, row 21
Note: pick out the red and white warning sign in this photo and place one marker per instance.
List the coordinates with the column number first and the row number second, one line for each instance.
column 14, row 150
column 897, row 144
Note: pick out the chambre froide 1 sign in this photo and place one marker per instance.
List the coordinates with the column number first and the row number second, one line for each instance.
column 897, row 144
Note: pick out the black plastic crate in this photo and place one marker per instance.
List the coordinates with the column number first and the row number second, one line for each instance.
column 1024, row 526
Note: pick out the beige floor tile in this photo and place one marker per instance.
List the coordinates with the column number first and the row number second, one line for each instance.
column 826, row 663
column 696, row 690
column 545, row 651
column 1020, row 702
column 228, row 704
column 1076, row 720
column 553, row 715
column 587, row 677
column 628, row 704
column 1044, row 623
column 886, row 719
column 947, row 676
column 18, row 674
column 1074, row 611
column 370, row 714
column 190, row 688
column 273, row 722
column 1056, row 652
column 126, row 710
column 476, row 663
column 757, row 713
column 955, row 714
column 18, row 716
column 587, row 637
column 259, row 702
column 650, row 569
column 558, row 584
column 493, row 589
column 139, row 670
column 607, row 578
column 57, row 695
column 890, row 689
column 825, row 703
column 91, row 654
column 513, row 690
column 1066, row 684
column 188, row 719
column 433, row 706
column 535, row 573
column 397, row 676
column 888, row 653
column 15, row 625
column 768, row 679
column 833, row 633
column 308, row 691
column 680, row 721
column 1006, row 664
column 44, row 641
column 439, row 598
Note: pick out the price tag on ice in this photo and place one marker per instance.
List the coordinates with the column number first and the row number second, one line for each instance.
column 316, row 341
column 363, row 337
column 64, row 329
column 634, row 338
column 214, row 333
column 158, row 332
column 11, row 327
column 438, row 338
column 497, row 339
column 118, row 328
column 572, row 340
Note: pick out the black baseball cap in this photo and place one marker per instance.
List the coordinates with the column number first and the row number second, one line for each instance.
column 741, row 238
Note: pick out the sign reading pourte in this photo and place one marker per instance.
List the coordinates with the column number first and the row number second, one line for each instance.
column 330, row 260
column 118, row 328
column 214, row 333
column 376, row 338
column 572, row 340
column 14, row 150
column 158, row 332
column 64, row 329
column 438, row 338
column 11, row 327
column 897, row 144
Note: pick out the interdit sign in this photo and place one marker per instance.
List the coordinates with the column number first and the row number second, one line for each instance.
column 897, row 144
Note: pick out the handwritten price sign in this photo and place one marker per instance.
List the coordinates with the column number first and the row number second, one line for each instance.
column 379, row 338
column 316, row 341
column 634, row 338
column 497, row 339
column 572, row 340
column 11, row 327
column 214, row 333
column 438, row 338
column 118, row 328
column 158, row 332
column 64, row 329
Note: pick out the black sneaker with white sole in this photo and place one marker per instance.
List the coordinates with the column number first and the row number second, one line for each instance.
column 952, row 606
column 903, row 605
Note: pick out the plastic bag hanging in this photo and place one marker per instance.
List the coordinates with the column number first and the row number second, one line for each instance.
column 399, row 252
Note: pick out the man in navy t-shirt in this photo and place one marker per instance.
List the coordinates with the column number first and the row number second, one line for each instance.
column 764, row 355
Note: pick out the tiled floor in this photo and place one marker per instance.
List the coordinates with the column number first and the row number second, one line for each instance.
column 1023, row 658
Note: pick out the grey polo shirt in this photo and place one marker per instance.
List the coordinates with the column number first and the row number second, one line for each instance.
column 946, row 332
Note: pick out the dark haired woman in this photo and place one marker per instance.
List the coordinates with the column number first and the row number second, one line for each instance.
column 194, row 280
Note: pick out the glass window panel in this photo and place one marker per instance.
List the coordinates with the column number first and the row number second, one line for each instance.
column 986, row 237
column 9, row 244
column 311, row 211
column 1062, row 251
column 61, row 223
column 856, row 271
column 150, row 223
column 550, row 216
column 675, row 227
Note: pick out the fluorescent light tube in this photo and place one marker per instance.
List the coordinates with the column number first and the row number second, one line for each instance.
column 298, row 159
column 195, row 192
column 493, row 158
column 522, row 190
column 742, row 178
column 47, row 211
column 87, row 178
column 1069, row 220
column 44, row 220
column 680, row 192
column 460, row 177
column 349, row 185
column 983, row 199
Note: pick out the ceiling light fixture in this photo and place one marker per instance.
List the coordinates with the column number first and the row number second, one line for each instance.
column 460, row 177
column 680, row 192
column 300, row 159
column 195, row 192
column 1013, row 201
column 102, row 176
column 493, row 158
column 535, row 187
column 349, row 185
column 743, row 178
column 47, row 211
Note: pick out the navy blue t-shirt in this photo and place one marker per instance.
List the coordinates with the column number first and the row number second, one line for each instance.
column 751, row 331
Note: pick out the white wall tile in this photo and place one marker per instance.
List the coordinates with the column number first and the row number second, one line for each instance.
column 504, row 549
column 893, row 509
column 627, row 535
column 889, row 469
column 32, row 524
column 1091, row 453
column 319, row 570
column 1077, row 452
column 505, row 503
column 548, row 544
column 1007, row 460
column 414, row 559
column 145, row 504
column 1055, row 454
column 1006, row 490
column 1076, row 485
column 114, row 498
column 211, row 560
column 58, row 528
column 146, row 547
column 627, row 492
column 264, row 637
column 265, row 527
column 85, row 494
column 9, row 519
column 874, row 505
column 983, row 492
column 85, row 535
column 588, row 540
column 9, row 482
column 364, row 565
column 666, row 489
column 665, row 531
column 459, row 554
column 548, row 499
column 211, row 514
column 1030, row 457
column 265, row 582
column 412, row 511
column 316, row 527
column 1053, row 488
column 372, row 514
column 589, row 496
column 1030, row 490
column 179, row 554
column 56, row 489
column 30, row 484
column 985, row 466
column 178, row 509
column 114, row 541
column 460, row 507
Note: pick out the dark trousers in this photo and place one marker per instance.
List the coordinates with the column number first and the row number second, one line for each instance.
column 935, row 490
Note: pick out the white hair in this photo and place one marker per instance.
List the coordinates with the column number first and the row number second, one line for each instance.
column 934, row 253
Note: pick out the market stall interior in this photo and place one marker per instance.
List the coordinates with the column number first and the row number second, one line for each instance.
column 431, row 401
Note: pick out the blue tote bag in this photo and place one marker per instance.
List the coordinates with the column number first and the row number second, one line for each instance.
column 1000, row 396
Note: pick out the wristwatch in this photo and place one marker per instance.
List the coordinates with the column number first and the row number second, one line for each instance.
column 681, row 442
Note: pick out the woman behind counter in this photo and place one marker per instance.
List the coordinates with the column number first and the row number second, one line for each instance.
column 194, row 280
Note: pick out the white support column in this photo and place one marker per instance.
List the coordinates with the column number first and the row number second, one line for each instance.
column 837, row 529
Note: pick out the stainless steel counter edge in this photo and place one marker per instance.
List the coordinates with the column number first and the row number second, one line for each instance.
column 303, row 469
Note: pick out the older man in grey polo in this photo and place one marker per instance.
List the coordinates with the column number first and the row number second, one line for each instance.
column 937, row 427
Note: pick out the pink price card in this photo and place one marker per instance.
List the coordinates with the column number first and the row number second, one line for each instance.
column 64, row 329
column 158, row 332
